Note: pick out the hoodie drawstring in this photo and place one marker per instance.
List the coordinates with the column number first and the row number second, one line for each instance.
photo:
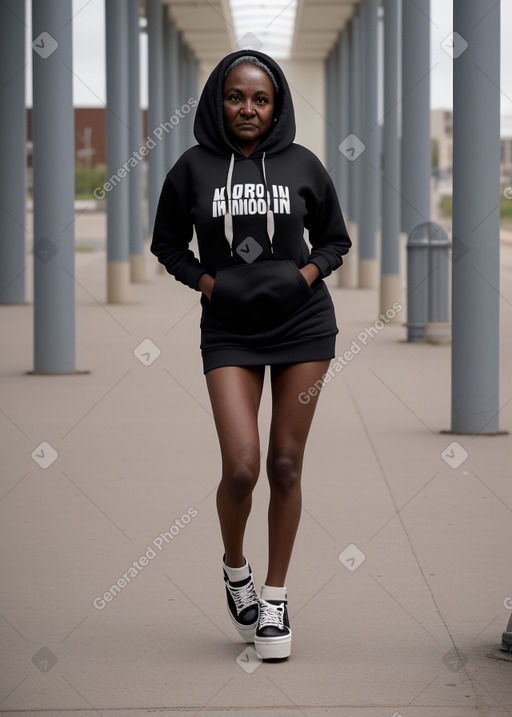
column 228, row 218
column 270, row 213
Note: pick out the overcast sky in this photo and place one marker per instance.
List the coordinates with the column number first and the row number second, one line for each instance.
column 89, row 57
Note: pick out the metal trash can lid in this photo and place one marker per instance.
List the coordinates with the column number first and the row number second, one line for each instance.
column 428, row 234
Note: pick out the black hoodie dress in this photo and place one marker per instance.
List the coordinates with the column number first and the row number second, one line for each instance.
column 250, row 215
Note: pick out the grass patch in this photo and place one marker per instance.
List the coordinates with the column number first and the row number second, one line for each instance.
column 87, row 179
column 446, row 206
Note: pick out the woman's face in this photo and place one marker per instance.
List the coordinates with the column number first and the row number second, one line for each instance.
column 248, row 101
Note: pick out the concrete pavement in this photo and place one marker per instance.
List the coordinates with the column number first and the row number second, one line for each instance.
column 112, row 596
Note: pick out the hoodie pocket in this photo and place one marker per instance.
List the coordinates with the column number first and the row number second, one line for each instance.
column 256, row 297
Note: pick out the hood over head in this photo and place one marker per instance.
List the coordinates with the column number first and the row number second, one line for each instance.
column 209, row 127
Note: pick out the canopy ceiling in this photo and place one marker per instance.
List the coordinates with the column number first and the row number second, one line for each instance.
column 208, row 29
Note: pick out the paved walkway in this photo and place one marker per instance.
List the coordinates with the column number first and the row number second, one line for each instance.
column 112, row 598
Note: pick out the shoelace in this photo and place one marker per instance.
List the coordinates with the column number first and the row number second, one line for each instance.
column 243, row 596
column 271, row 615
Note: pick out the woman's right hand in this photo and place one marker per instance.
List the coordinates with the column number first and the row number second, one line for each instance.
column 205, row 285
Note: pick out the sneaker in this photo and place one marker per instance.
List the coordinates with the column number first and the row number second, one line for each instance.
column 243, row 605
column 273, row 638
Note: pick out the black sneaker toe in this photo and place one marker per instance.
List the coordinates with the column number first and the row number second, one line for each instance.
column 250, row 615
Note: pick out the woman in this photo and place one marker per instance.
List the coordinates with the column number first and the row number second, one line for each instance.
column 250, row 192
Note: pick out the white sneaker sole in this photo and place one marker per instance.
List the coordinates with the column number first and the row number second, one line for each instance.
column 272, row 648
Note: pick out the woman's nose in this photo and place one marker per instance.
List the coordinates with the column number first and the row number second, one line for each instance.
column 247, row 107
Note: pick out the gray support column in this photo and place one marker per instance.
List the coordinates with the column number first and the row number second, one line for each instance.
column 330, row 109
column 390, row 288
column 170, row 94
column 342, row 82
column 183, row 108
column 118, row 152
column 351, row 261
column 370, row 186
column 416, row 162
column 192, row 93
column 13, row 143
column 476, row 217
column 347, row 276
column 156, row 115
column 173, row 86
column 183, row 92
column 335, row 116
column 136, row 228
column 54, row 187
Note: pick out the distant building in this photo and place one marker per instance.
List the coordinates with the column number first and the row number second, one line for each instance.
column 441, row 132
column 90, row 134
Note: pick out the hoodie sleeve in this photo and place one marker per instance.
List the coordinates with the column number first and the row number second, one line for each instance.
column 172, row 234
column 327, row 231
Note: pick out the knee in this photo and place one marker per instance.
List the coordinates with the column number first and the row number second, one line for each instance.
column 239, row 481
column 284, row 472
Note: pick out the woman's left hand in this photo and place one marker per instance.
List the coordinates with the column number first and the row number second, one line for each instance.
column 310, row 272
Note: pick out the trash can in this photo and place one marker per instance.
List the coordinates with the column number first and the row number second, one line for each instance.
column 428, row 278
column 506, row 638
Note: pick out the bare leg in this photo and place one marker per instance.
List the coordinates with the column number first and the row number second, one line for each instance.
column 291, row 421
column 235, row 394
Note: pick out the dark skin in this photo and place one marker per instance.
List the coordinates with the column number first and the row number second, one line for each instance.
column 249, row 104
column 235, row 391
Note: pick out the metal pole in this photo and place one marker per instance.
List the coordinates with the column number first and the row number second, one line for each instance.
column 169, row 105
column 183, row 81
column 118, row 152
column 347, row 276
column 156, row 166
column 350, row 271
column 342, row 82
column 330, row 109
column 13, row 143
column 416, row 161
column 192, row 93
column 54, row 187
column 136, row 229
column 368, row 266
column 172, row 86
column 390, row 288
column 335, row 116
column 476, row 217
